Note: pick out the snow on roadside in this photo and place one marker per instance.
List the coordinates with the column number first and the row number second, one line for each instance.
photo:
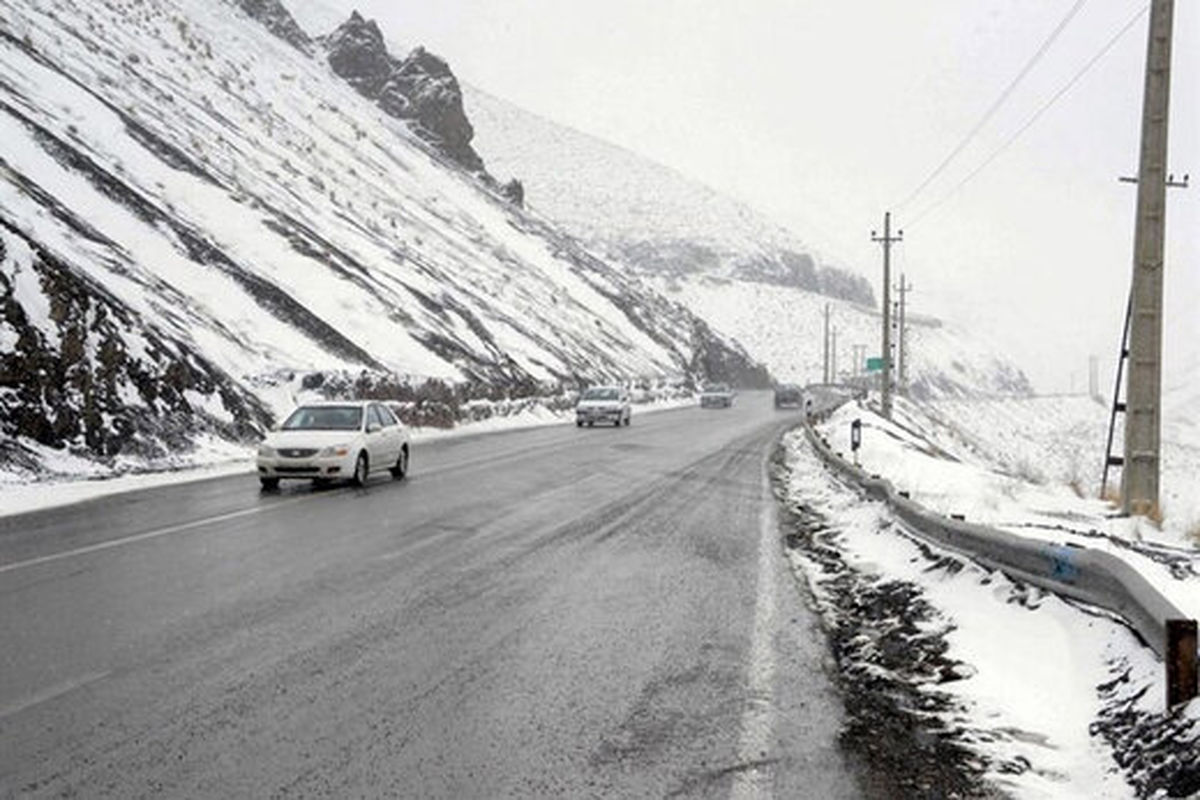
column 937, row 464
column 1022, row 695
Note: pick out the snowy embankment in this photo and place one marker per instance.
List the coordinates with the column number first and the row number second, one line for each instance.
column 74, row 480
column 1025, row 656
column 1026, row 489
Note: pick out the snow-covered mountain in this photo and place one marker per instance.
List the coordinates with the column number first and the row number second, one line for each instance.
column 198, row 208
column 630, row 208
column 750, row 278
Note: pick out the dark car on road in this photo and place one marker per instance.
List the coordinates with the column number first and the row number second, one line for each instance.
column 789, row 395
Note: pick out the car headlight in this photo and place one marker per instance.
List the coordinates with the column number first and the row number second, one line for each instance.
column 266, row 451
column 335, row 450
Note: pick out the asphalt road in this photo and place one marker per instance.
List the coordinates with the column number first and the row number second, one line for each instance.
column 551, row 612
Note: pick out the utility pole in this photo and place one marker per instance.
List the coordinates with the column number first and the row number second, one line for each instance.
column 886, row 240
column 902, row 351
column 825, row 362
column 1143, row 418
column 833, row 358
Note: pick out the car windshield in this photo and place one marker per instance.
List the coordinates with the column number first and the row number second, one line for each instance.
column 600, row 394
column 324, row 418
column 717, row 388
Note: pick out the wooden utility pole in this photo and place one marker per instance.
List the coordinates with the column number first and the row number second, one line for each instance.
column 902, row 328
column 886, row 377
column 1143, row 417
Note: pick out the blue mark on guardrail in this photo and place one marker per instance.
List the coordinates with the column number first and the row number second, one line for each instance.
column 1062, row 563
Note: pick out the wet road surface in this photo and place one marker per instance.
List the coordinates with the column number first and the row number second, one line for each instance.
column 551, row 612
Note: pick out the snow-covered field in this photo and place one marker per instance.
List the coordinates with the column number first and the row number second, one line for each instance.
column 1023, row 465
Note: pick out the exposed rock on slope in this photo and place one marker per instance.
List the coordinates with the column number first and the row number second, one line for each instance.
column 79, row 369
column 420, row 87
column 278, row 20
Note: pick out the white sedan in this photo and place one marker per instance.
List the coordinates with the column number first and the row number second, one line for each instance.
column 334, row 440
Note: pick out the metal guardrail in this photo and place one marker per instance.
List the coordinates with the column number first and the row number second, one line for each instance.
column 1080, row 573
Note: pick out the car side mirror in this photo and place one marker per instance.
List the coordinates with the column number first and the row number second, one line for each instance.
column 374, row 427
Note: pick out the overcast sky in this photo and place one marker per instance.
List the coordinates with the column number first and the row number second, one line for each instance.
column 825, row 114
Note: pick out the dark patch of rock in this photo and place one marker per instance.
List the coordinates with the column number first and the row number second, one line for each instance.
column 514, row 192
column 1159, row 752
column 419, row 88
column 278, row 20
column 92, row 379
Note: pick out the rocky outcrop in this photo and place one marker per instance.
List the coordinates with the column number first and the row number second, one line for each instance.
column 800, row 271
column 79, row 371
column 419, row 88
column 514, row 192
column 278, row 20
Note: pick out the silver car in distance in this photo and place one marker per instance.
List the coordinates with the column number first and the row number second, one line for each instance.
column 607, row 404
column 334, row 440
column 717, row 395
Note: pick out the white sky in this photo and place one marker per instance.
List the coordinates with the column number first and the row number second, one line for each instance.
column 824, row 114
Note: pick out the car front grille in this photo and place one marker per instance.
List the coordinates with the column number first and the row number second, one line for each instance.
column 297, row 452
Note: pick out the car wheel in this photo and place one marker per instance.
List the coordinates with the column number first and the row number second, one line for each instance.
column 590, row 424
column 401, row 468
column 361, row 470
column 269, row 484
column 578, row 423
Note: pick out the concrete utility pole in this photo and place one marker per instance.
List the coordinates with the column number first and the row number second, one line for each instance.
column 1143, row 417
column 886, row 377
column 902, row 351
column 825, row 362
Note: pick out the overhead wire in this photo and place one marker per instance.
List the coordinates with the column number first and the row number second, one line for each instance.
column 927, row 210
column 996, row 104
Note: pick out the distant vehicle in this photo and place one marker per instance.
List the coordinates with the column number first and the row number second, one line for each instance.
column 717, row 395
column 788, row 395
column 603, row 404
column 334, row 440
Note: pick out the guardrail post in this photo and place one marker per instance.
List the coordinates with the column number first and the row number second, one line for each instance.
column 1181, row 661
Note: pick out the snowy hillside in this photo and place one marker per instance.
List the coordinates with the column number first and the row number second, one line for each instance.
column 753, row 280
column 636, row 210
column 197, row 209
column 1060, row 441
column 783, row 328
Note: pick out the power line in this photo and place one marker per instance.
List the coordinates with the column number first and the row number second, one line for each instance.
column 1034, row 118
column 1004, row 95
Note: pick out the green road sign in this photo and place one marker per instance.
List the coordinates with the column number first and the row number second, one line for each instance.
column 875, row 365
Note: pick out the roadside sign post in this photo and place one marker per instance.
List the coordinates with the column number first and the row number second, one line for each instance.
column 856, row 438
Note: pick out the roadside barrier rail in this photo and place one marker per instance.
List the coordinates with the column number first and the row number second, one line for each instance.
column 1080, row 573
